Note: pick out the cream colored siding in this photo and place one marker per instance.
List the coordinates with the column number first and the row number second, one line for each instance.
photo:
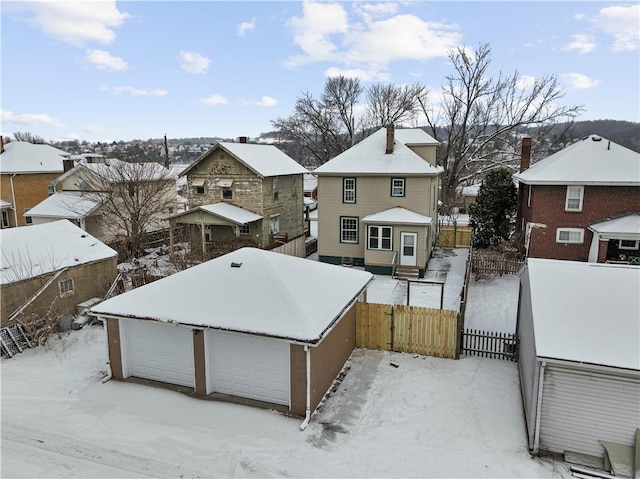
column 426, row 152
column 373, row 194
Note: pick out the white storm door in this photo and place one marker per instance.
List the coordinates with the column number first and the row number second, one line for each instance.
column 248, row 366
column 158, row 351
column 408, row 249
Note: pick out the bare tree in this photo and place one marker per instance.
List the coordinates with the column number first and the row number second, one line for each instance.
column 390, row 104
column 134, row 198
column 28, row 137
column 482, row 119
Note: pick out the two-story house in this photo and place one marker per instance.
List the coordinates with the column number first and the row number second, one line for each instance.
column 243, row 191
column 582, row 203
column 25, row 172
column 378, row 202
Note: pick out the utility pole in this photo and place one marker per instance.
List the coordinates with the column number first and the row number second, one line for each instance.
column 166, row 152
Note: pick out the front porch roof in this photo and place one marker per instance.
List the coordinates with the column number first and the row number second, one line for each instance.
column 624, row 227
column 226, row 211
column 398, row 215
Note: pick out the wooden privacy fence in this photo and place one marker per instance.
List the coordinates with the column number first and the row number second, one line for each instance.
column 484, row 266
column 490, row 344
column 408, row 329
column 453, row 236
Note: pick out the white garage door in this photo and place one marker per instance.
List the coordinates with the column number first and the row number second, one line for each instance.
column 248, row 366
column 158, row 351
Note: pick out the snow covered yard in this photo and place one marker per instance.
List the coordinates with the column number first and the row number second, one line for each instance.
column 428, row 417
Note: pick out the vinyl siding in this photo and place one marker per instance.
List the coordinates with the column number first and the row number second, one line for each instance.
column 581, row 406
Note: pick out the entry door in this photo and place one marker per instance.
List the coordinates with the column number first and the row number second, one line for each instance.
column 408, row 249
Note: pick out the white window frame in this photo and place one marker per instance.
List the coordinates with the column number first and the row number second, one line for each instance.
column 274, row 224
column 379, row 237
column 635, row 246
column 66, row 287
column 400, row 189
column 348, row 191
column 349, row 231
column 578, row 231
column 574, row 193
column 5, row 219
column 245, row 229
column 28, row 220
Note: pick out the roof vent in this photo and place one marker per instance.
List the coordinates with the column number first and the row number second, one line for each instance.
column 236, row 265
column 596, row 138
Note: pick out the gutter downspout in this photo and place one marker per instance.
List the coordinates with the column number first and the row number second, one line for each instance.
column 13, row 198
column 307, row 416
column 536, row 432
column 106, row 343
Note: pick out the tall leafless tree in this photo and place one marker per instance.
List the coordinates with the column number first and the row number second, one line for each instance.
column 28, row 137
column 390, row 104
column 481, row 118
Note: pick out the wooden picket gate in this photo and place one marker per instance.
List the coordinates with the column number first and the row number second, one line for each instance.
column 408, row 329
column 490, row 344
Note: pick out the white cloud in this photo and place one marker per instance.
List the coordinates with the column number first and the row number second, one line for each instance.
column 622, row 23
column 526, row 82
column 214, row 100
column 325, row 34
column 74, row 22
column 581, row 43
column 579, row 81
column 95, row 129
column 30, row 119
column 194, row 62
column 244, row 27
column 134, row 91
column 367, row 75
column 105, row 61
column 267, row 101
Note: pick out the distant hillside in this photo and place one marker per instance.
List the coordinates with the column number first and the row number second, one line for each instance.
column 624, row 133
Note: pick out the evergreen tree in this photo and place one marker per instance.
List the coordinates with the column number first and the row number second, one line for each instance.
column 492, row 215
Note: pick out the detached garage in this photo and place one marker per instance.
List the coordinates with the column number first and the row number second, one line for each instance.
column 579, row 328
column 253, row 324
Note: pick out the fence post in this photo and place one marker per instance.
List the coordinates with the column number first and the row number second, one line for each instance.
column 393, row 326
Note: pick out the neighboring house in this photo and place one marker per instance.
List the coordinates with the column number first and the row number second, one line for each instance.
column 469, row 196
column 254, row 324
column 378, row 202
column 565, row 198
column 88, row 193
column 48, row 269
column 579, row 325
column 260, row 179
column 25, row 172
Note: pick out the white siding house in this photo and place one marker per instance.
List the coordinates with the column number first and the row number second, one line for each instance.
column 579, row 325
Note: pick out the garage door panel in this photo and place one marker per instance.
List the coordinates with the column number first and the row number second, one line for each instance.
column 159, row 352
column 249, row 366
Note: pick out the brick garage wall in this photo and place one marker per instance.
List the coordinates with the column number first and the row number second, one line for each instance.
column 90, row 280
column 30, row 189
column 548, row 207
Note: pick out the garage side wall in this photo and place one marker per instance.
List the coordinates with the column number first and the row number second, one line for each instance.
column 115, row 350
column 298, row 375
column 328, row 358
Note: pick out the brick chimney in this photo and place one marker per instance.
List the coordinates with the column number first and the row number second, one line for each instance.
column 390, row 138
column 243, row 139
column 525, row 155
column 67, row 165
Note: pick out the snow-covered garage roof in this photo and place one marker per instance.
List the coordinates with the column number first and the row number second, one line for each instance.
column 30, row 251
column 65, row 204
column 586, row 312
column 25, row 157
column 266, row 293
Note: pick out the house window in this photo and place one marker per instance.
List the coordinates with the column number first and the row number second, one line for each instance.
column 246, row 230
column 227, row 194
column 574, row 198
column 5, row 219
column 569, row 235
column 397, row 186
column 27, row 219
column 348, row 190
column 198, row 186
column 275, row 187
column 348, row 229
column 66, row 286
column 51, row 189
column 380, row 237
column 274, row 224
column 628, row 244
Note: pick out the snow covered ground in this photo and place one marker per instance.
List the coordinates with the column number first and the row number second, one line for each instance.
column 428, row 417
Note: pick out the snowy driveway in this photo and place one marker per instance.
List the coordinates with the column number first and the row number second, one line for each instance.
column 428, row 417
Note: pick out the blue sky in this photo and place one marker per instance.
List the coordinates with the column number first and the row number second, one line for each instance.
column 104, row 70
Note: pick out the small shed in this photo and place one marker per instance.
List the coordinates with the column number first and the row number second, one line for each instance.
column 579, row 328
column 266, row 327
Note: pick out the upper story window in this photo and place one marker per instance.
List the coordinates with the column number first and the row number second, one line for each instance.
column 198, row 186
column 569, row 235
column 275, row 188
column 348, row 190
column 397, row 187
column 574, row 198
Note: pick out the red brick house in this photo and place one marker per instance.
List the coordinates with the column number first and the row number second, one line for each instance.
column 581, row 203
